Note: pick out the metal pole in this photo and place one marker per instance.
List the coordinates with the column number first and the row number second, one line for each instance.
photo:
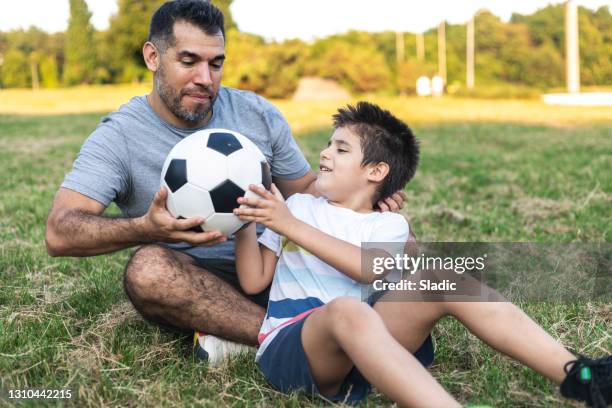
column 420, row 46
column 469, row 65
column 399, row 46
column 442, row 51
column 572, row 56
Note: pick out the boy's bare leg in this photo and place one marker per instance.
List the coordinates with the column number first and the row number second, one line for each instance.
column 509, row 330
column 501, row 325
column 167, row 287
column 346, row 332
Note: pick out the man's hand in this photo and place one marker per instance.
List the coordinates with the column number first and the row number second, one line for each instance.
column 269, row 209
column 393, row 203
column 159, row 225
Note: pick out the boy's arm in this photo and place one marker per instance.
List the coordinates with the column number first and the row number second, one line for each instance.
column 255, row 264
column 342, row 255
column 272, row 211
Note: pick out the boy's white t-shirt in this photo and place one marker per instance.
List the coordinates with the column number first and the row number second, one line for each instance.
column 302, row 281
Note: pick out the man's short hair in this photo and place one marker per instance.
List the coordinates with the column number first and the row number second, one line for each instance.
column 384, row 138
column 200, row 13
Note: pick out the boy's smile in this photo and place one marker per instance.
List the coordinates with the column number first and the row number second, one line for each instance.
column 341, row 178
column 343, row 156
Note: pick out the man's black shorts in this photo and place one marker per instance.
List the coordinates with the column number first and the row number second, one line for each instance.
column 226, row 270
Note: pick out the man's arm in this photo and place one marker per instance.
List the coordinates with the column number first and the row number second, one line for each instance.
column 304, row 184
column 307, row 185
column 76, row 227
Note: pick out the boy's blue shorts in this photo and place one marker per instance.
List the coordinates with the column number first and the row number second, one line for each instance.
column 285, row 366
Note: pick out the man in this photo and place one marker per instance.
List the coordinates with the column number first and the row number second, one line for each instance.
column 177, row 278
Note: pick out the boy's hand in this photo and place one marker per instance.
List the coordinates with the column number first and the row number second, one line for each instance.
column 393, row 203
column 269, row 209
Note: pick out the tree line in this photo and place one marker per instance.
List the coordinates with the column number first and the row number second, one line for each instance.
column 527, row 51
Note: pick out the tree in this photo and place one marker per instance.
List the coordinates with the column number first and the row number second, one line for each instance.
column 358, row 66
column 224, row 6
column 272, row 70
column 490, row 39
column 455, row 53
column 515, row 53
column 80, row 55
column 602, row 19
column 595, row 42
column 15, row 70
column 121, row 46
column 127, row 33
column 49, row 72
column 545, row 25
column 545, row 67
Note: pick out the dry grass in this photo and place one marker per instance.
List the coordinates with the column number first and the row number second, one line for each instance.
column 305, row 115
column 534, row 208
column 81, row 99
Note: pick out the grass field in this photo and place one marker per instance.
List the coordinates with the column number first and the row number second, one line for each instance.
column 66, row 323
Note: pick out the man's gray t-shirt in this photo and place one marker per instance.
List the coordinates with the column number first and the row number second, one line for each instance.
column 121, row 160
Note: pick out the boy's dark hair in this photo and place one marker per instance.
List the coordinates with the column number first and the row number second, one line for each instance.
column 200, row 13
column 384, row 138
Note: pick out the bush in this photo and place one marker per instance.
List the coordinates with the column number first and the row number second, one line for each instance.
column 48, row 72
column 544, row 68
column 408, row 72
column 272, row 70
column 15, row 70
column 360, row 68
column 497, row 91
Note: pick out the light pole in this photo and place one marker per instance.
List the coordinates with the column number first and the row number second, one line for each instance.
column 399, row 46
column 420, row 46
column 469, row 63
column 442, row 51
column 572, row 56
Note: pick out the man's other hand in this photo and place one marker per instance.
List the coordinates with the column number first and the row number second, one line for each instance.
column 393, row 203
column 160, row 226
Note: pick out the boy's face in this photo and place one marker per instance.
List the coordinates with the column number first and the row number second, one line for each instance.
column 341, row 174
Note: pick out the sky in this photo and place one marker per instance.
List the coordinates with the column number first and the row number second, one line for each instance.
column 305, row 19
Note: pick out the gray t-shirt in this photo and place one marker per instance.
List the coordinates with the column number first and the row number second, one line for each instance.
column 121, row 160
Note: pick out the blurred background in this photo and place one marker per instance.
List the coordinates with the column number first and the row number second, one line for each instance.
column 509, row 153
column 507, row 50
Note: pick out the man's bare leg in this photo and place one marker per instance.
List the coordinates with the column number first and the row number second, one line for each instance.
column 346, row 332
column 167, row 286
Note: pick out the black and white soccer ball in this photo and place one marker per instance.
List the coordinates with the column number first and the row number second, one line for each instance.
column 206, row 172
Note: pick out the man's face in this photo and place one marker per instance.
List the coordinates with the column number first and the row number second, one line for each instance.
column 189, row 74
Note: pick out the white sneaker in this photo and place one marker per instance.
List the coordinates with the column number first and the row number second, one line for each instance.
column 215, row 350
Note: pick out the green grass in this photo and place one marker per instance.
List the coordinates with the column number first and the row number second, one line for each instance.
column 66, row 323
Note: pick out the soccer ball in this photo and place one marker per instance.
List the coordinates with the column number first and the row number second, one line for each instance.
column 207, row 171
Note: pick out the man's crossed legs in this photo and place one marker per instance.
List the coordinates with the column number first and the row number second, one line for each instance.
column 171, row 289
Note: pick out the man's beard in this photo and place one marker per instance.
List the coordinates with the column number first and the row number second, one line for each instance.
column 172, row 99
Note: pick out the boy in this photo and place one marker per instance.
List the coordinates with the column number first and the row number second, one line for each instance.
column 317, row 335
